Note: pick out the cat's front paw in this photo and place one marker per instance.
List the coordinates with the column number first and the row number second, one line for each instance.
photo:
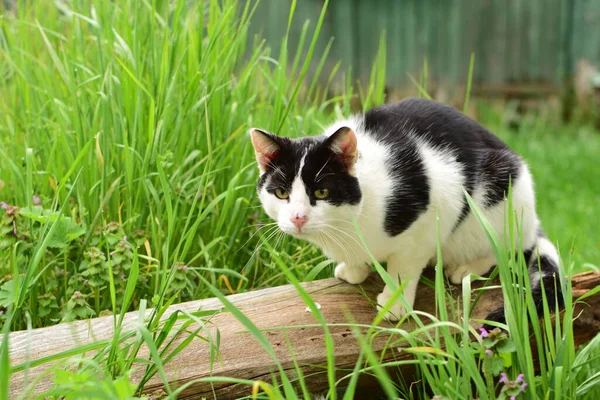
column 395, row 312
column 353, row 275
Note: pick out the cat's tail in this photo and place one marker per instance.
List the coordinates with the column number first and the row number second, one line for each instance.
column 542, row 261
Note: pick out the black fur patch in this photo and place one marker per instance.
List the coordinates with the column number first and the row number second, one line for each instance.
column 550, row 284
column 442, row 127
column 499, row 168
column 284, row 168
column 322, row 170
column 527, row 255
column 411, row 196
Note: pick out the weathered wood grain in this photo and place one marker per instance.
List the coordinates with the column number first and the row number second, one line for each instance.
column 240, row 354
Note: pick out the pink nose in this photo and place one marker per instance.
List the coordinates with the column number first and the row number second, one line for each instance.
column 299, row 221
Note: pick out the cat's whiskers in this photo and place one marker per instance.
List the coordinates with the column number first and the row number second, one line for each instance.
column 259, row 226
column 279, row 172
column 317, row 178
column 345, row 233
column 279, row 239
column 323, row 176
column 333, row 241
column 270, row 232
column 357, row 250
column 336, row 240
column 269, row 225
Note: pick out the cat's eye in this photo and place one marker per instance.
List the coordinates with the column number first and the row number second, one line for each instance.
column 321, row 193
column 282, row 194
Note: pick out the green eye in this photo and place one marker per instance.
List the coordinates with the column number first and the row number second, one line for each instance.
column 321, row 193
column 282, row 194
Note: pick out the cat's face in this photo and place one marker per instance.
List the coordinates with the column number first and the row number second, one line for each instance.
column 308, row 185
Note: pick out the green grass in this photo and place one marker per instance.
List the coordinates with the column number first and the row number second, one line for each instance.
column 130, row 123
column 129, row 183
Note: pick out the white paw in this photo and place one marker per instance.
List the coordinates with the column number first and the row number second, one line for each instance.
column 353, row 275
column 395, row 312
column 456, row 276
column 449, row 270
column 477, row 267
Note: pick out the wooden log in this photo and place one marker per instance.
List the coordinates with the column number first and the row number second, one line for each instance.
column 240, row 354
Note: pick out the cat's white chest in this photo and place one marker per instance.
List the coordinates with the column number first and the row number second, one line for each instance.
column 346, row 244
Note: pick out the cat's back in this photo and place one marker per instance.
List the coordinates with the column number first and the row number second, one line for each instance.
column 434, row 122
column 432, row 150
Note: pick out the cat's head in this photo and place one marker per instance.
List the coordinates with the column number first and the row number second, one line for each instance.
column 308, row 185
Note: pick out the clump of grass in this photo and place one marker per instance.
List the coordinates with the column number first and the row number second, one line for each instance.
column 123, row 128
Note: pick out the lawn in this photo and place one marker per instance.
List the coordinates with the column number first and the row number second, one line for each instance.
column 127, row 179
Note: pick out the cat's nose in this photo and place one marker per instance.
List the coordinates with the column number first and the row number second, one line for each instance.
column 299, row 221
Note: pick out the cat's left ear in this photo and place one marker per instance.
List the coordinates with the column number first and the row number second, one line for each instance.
column 343, row 143
column 266, row 148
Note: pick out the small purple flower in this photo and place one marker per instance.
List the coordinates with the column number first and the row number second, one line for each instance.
column 4, row 205
column 36, row 200
column 125, row 238
column 489, row 352
column 512, row 388
column 521, row 381
column 1, row 312
column 483, row 333
column 15, row 230
column 184, row 268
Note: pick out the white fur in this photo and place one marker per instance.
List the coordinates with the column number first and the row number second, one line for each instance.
column 465, row 250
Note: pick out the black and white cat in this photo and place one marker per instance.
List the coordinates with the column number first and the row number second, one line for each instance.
column 394, row 170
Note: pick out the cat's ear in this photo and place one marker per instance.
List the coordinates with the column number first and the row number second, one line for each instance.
column 343, row 143
column 266, row 148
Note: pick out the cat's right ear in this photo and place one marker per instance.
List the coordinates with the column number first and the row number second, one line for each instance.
column 343, row 143
column 266, row 148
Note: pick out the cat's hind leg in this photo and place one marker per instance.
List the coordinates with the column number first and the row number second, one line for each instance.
column 480, row 266
column 354, row 274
